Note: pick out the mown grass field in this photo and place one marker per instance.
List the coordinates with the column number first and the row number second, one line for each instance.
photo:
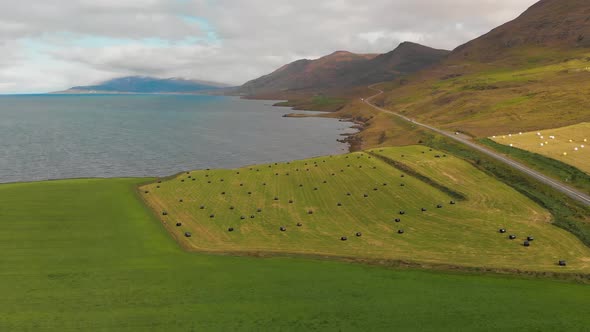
column 570, row 144
column 86, row 255
column 210, row 203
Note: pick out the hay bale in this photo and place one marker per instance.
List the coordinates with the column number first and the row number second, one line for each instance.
column 264, row 184
column 223, row 192
column 403, row 176
column 283, row 229
column 157, row 186
column 231, row 229
column 339, row 204
column 178, row 224
column 310, row 212
column 423, row 209
column 259, row 210
column 299, row 224
column 502, row 230
column 187, row 234
column 181, row 200
column 290, row 201
column 348, row 194
column 562, row 263
column 375, row 189
column 211, row 216
column 398, row 220
column 526, row 244
column 344, row 238
column 402, row 184
column 159, row 181
column 249, row 193
column 401, row 231
column 325, row 181
column 439, row 206
column 238, row 173
column 242, row 217
column 194, row 179
column 530, row 238
column 208, row 181
column 402, row 212
column 147, row 192
column 241, row 184
column 164, row 213
column 231, row 208
column 359, row 234
column 512, row 237
column 182, row 180
column 252, row 216
column 384, row 184
column 365, row 195
column 316, row 188
column 300, row 185
column 202, row 207
column 452, row 202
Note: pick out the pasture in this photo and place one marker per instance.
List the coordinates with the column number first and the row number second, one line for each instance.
column 383, row 204
column 570, row 144
column 86, row 255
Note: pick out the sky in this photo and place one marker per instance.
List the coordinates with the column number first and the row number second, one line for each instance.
column 51, row 45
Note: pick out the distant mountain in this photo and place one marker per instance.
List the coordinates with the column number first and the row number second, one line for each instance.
column 143, row 84
column 344, row 70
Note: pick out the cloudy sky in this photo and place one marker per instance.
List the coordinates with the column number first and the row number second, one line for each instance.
column 48, row 45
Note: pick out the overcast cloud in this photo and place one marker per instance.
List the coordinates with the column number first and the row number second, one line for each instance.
column 49, row 45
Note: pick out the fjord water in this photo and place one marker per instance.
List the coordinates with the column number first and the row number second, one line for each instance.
column 73, row 136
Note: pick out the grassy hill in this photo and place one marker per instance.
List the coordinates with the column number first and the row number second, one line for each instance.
column 243, row 210
column 87, row 255
column 529, row 74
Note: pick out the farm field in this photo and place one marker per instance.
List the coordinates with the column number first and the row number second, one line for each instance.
column 304, row 207
column 87, row 255
column 570, row 144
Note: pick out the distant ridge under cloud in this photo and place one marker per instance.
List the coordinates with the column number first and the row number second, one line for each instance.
column 146, row 84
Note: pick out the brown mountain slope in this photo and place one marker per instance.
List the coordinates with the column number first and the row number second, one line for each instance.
column 530, row 73
column 548, row 23
column 341, row 70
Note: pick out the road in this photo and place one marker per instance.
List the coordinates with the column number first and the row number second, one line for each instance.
column 573, row 193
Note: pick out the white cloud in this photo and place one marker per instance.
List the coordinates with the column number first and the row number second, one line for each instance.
column 53, row 44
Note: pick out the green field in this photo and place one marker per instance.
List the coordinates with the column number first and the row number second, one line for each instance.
column 86, row 255
column 465, row 234
column 567, row 144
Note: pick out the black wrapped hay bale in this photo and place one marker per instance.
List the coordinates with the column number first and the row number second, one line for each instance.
column 231, row 207
column 344, row 238
column 242, row 217
column 398, row 220
column 439, row 206
column 401, row 231
column 231, row 229
column 562, row 263
column 258, row 210
column 359, row 234
column 402, row 212
column 211, row 216
column 164, row 213
column 202, row 207
column 453, row 203
column 526, row 244
column 178, row 224
column 530, row 238
column 339, row 204
column 502, row 230
column 512, row 237
column 188, row 234
column 299, row 224
column 310, row 212
column 423, row 209
column 181, row 200
column 283, row 229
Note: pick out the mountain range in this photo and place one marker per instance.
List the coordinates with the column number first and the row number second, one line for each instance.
column 344, row 69
column 145, row 84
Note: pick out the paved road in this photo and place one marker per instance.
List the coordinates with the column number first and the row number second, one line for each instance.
column 573, row 193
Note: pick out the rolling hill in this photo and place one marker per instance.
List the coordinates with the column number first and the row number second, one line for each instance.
column 144, row 84
column 530, row 73
column 343, row 69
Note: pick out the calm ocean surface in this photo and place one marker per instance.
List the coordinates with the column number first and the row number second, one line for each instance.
column 58, row 136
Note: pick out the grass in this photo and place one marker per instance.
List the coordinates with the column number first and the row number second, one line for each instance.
column 484, row 99
column 552, row 167
column 565, row 147
column 87, row 255
column 465, row 234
